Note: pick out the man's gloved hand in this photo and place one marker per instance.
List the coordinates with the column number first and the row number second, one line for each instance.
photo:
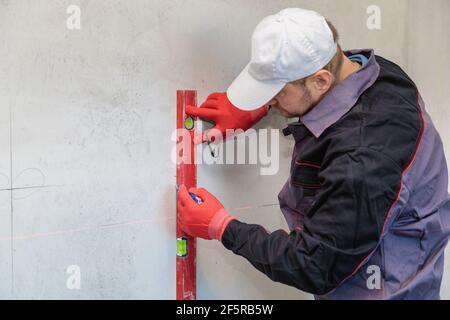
column 218, row 109
column 206, row 220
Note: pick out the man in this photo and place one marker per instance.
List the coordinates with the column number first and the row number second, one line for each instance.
column 366, row 201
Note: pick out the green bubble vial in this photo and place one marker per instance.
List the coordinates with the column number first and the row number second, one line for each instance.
column 182, row 247
column 189, row 123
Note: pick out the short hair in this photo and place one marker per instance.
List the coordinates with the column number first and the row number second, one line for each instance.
column 334, row 66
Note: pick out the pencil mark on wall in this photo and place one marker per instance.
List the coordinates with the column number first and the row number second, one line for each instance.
column 11, row 198
column 34, row 187
column 83, row 229
column 255, row 207
column 30, row 181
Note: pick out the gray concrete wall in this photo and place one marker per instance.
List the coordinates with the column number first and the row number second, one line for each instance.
column 86, row 118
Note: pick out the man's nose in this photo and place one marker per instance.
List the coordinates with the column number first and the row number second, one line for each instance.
column 271, row 102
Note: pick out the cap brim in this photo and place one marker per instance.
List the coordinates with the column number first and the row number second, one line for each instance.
column 247, row 93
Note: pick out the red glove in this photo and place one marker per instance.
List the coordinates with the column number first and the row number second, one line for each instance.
column 206, row 220
column 218, row 109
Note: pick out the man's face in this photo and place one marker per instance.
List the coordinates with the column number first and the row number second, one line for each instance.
column 293, row 101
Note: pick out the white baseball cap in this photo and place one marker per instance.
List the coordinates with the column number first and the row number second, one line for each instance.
column 290, row 45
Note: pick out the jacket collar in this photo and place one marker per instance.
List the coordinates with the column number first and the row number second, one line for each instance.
column 341, row 98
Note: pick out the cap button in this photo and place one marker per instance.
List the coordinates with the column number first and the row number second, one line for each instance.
column 279, row 17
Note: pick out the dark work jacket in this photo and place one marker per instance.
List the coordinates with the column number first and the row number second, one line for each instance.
column 367, row 200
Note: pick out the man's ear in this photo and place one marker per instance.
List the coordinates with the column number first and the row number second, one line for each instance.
column 322, row 81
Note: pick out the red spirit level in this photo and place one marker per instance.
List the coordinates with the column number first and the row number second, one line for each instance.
column 187, row 175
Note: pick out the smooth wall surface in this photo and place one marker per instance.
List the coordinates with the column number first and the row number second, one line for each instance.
column 86, row 117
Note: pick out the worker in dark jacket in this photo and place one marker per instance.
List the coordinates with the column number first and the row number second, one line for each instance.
column 367, row 200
